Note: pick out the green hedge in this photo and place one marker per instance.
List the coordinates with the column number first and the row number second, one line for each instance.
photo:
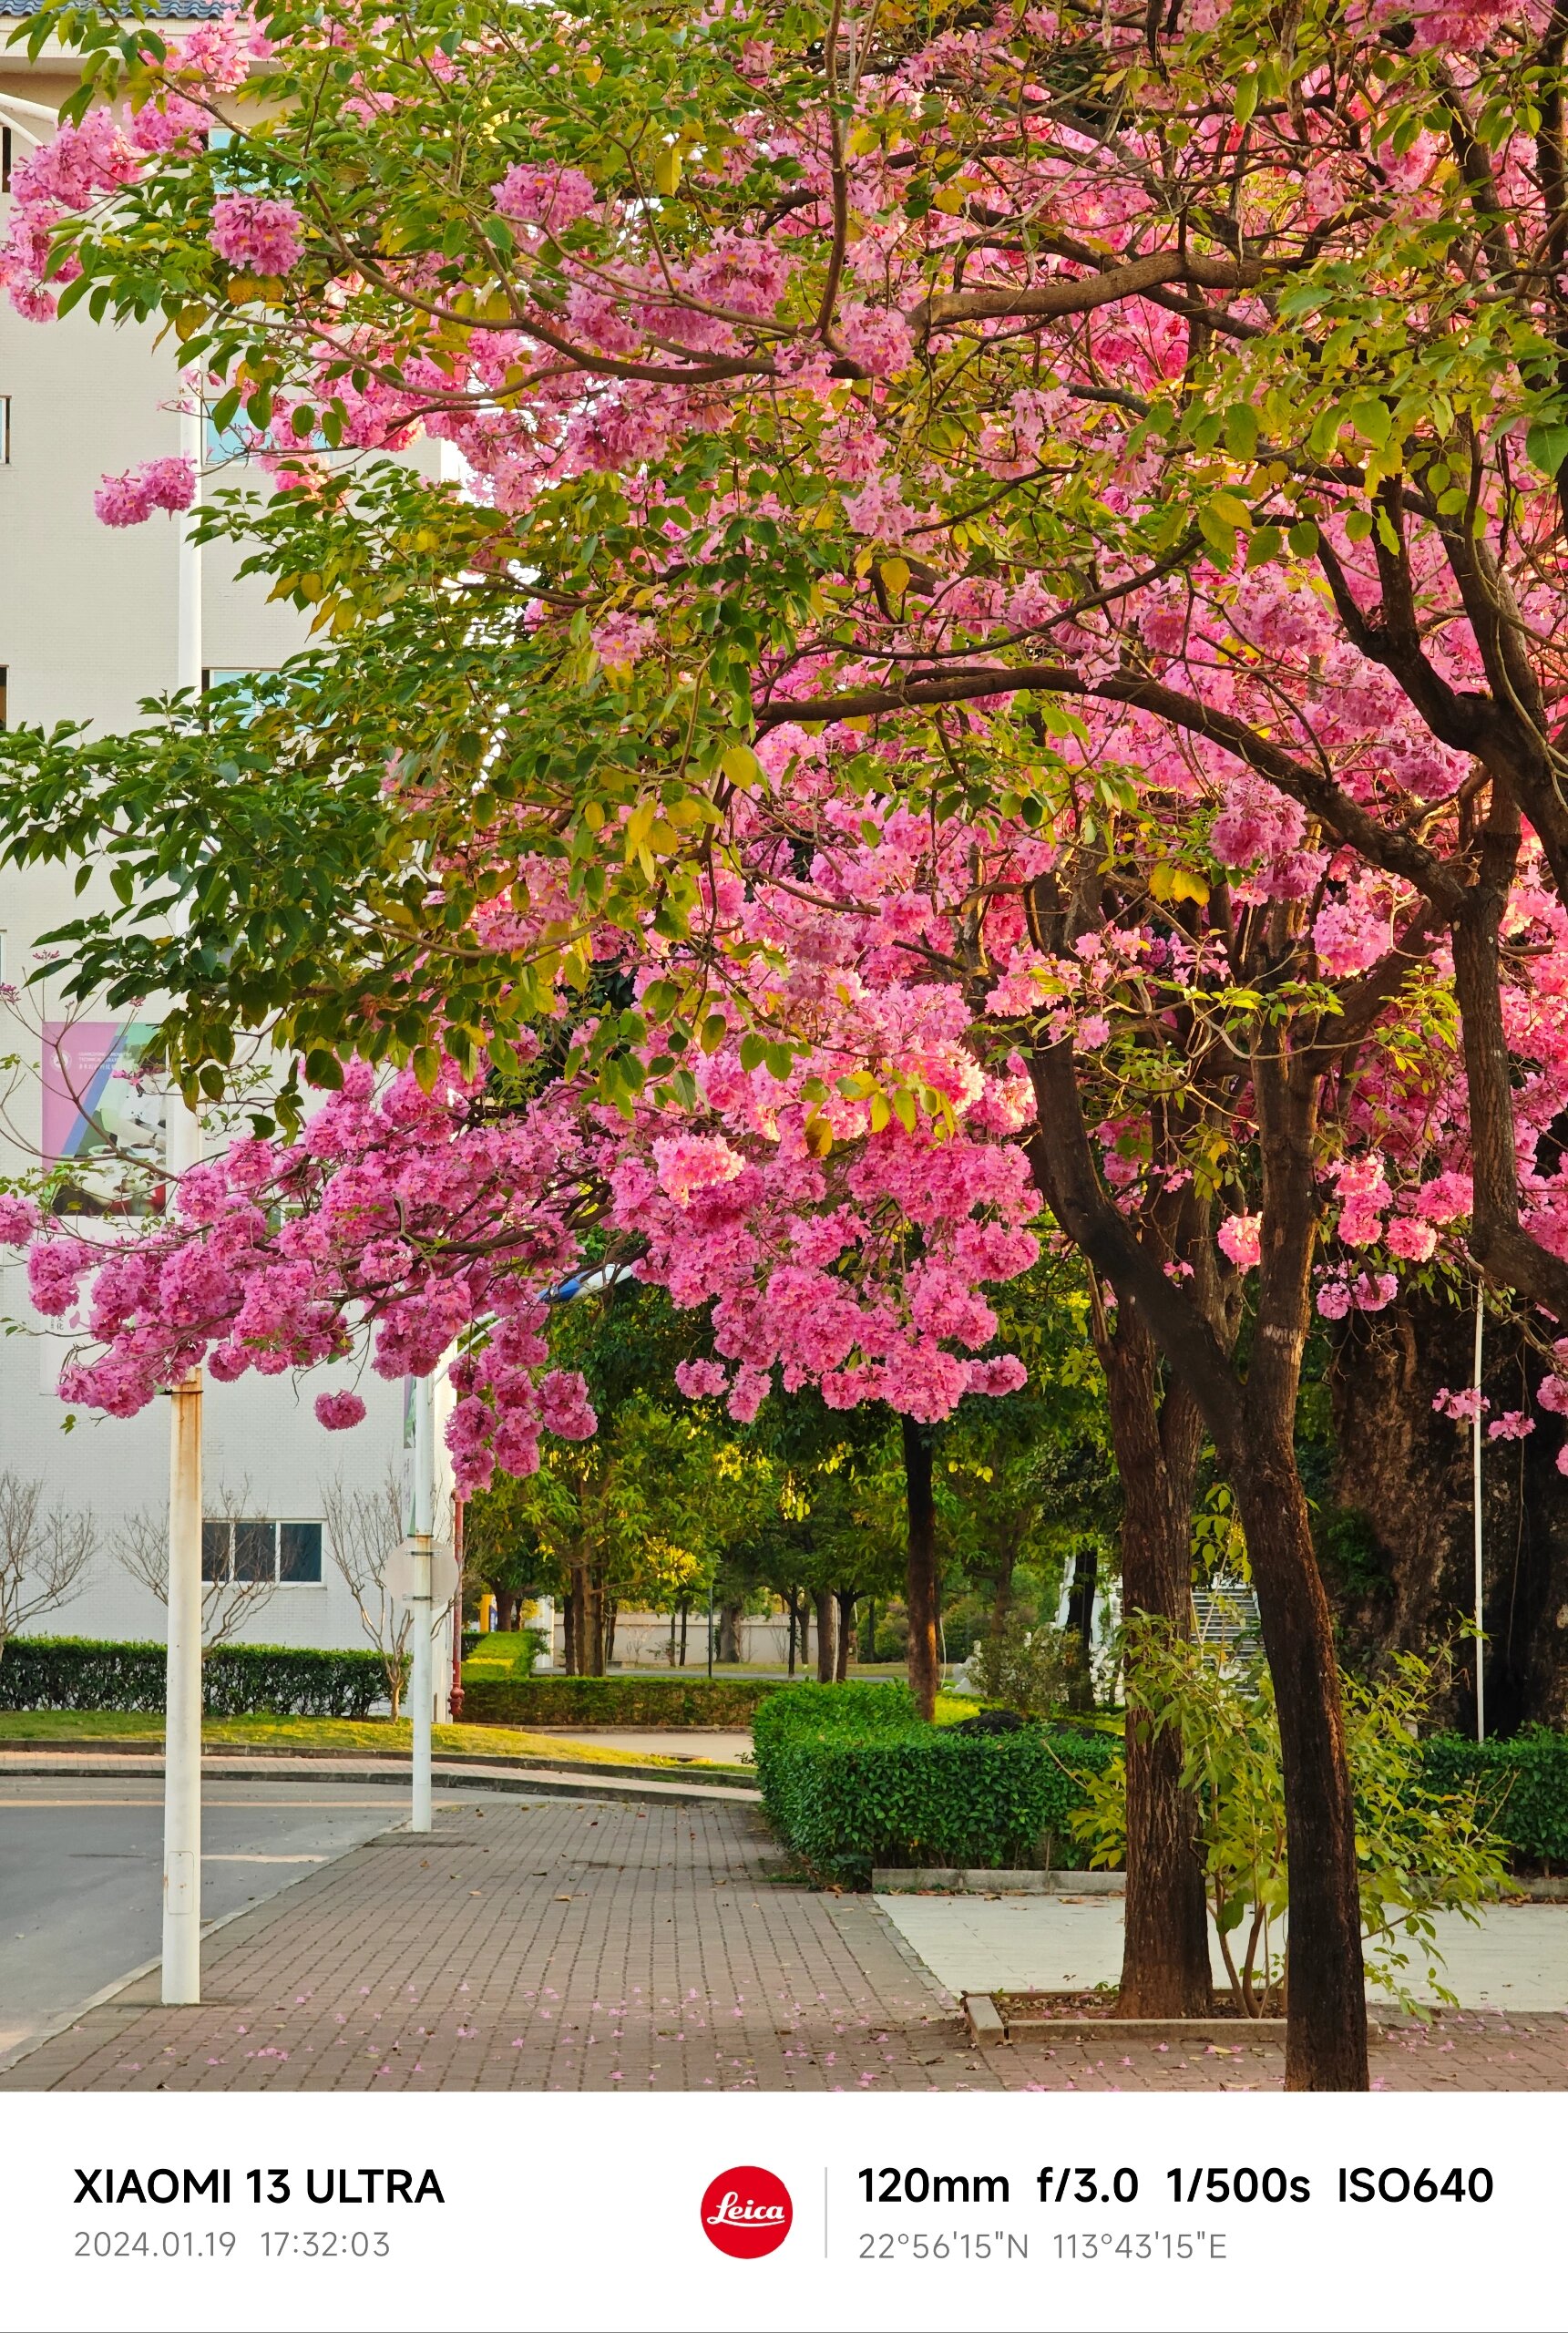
column 852, row 1778
column 1523, row 1786
column 617, row 1701
column 237, row 1679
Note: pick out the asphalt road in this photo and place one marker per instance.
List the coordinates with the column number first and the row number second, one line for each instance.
column 81, row 1871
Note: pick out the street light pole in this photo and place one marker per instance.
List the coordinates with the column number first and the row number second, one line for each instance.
column 181, row 1975
column 422, row 1536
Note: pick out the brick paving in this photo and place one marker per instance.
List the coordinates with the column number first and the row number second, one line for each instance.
column 543, row 1946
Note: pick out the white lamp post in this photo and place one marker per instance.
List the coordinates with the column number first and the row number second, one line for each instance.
column 182, row 1701
column 422, row 1533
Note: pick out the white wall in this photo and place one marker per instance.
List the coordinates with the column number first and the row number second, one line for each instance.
column 86, row 630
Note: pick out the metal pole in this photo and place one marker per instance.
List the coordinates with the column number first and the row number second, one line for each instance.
column 182, row 1697
column 421, row 1687
column 709, row 1624
column 1480, row 1574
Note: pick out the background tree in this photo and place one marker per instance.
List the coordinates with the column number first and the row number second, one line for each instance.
column 45, row 1550
column 365, row 1533
column 229, row 1603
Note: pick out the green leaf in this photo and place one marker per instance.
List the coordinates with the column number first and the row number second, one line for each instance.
column 1241, row 431
column 1546, row 443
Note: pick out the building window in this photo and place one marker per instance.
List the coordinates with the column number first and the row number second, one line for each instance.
column 255, row 1548
column 4, row 677
column 4, row 430
column 5, row 160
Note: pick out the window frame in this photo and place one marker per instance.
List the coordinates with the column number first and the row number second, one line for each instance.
column 231, row 1576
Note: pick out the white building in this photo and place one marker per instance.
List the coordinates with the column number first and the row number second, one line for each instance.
column 88, row 626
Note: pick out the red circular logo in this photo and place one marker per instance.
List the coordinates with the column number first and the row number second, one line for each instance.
column 746, row 2212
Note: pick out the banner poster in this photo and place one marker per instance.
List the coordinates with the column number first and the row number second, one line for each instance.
column 100, row 1114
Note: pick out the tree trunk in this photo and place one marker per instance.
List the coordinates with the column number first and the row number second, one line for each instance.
column 1001, row 1595
column 1326, row 2036
column 572, row 1616
column 685, row 1625
column 923, row 1588
column 823, row 1600
column 1325, row 2043
column 1165, row 1939
column 789, row 1607
column 507, row 1608
column 593, row 1621
column 846, row 1601
column 611, row 1613
column 729, row 1647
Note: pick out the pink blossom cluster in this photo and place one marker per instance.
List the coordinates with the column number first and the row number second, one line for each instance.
column 258, row 233
column 167, row 484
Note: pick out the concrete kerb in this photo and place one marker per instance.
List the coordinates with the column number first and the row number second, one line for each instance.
column 514, row 1777
column 939, row 1882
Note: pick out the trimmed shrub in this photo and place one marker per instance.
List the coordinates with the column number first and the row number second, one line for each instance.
column 654, row 1700
column 852, row 1778
column 1523, row 1786
column 237, row 1679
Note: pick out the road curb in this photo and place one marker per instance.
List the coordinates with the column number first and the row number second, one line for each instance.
column 517, row 1781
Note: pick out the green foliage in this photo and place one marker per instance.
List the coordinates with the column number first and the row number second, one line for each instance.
column 1032, row 1670
column 617, row 1701
column 1521, row 1785
column 1421, row 1848
column 852, row 1779
column 237, row 1679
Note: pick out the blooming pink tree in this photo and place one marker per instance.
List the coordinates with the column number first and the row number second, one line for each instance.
column 1128, row 455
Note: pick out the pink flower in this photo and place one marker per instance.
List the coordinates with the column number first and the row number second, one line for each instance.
column 257, row 233
column 336, row 1411
column 552, row 197
column 698, row 1379
column 166, row 484
column 691, row 1163
column 19, row 1220
column 1240, row 1237
column 1511, row 1426
column 877, row 339
column 620, row 640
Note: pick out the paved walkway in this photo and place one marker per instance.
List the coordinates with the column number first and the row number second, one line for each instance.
column 1513, row 1957
column 538, row 1945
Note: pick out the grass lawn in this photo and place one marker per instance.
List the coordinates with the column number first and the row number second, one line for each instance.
column 84, row 1727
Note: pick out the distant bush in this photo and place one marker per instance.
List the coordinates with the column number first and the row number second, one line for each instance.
column 490, row 1699
column 237, row 1679
column 1523, row 1786
column 852, row 1778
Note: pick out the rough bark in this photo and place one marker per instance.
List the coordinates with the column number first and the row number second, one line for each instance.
column 922, row 1584
column 1251, row 1423
column 1165, row 1945
column 1396, row 1532
column 823, row 1600
column 728, row 1645
column 1325, row 2047
column 845, row 1600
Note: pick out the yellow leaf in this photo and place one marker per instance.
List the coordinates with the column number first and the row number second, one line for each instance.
column 880, row 1113
column 741, row 766
column 667, row 169
column 818, row 1136
column 242, row 287
column 895, row 576
column 948, row 199
column 1186, row 885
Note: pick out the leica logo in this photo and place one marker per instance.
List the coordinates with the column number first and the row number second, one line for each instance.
column 746, row 2212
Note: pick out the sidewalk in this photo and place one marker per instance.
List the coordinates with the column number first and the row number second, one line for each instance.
column 542, row 1945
